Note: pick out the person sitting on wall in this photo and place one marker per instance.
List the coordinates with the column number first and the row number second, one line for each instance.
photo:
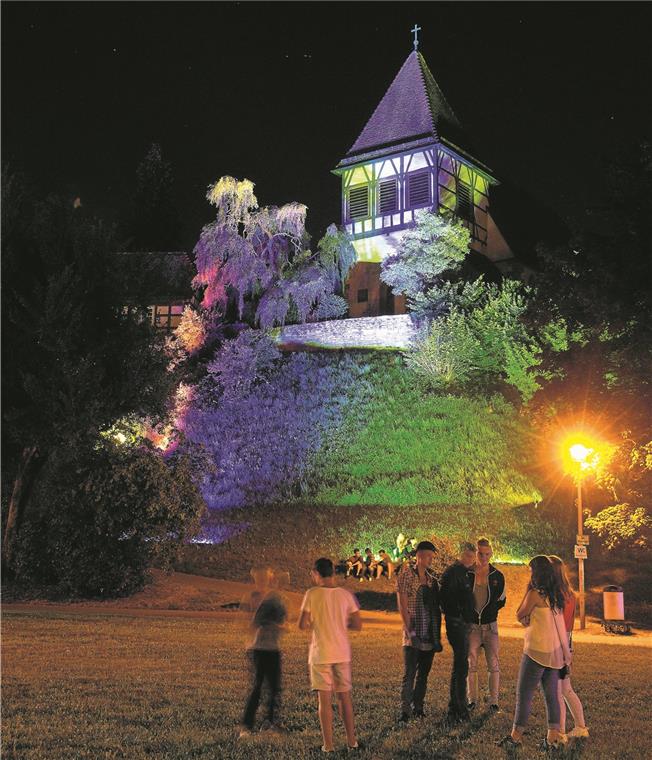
column 399, row 552
column 355, row 564
column 369, row 564
column 385, row 566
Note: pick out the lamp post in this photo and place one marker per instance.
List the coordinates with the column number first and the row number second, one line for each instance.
column 580, row 454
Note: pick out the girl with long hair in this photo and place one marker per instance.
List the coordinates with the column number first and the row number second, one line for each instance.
column 567, row 695
column 545, row 652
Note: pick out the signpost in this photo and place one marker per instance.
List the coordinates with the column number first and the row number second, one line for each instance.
column 582, row 540
column 581, row 552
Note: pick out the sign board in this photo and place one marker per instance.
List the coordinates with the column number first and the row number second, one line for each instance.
column 582, row 540
column 581, row 552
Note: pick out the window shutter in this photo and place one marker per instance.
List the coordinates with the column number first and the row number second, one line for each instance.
column 388, row 196
column 418, row 189
column 359, row 202
column 464, row 204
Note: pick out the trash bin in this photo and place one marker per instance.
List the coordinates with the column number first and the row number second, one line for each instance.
column 613, row 603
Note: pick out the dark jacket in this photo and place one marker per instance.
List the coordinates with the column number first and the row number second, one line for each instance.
column 456, row 593
column 497, row 598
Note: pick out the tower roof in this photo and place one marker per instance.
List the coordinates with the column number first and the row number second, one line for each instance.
column 413, row 111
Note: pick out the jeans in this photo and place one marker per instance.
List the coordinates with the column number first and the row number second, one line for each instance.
column 485, row 636
column 530, row 675
column 457, row 633
column 416, row 666
column 266, row 667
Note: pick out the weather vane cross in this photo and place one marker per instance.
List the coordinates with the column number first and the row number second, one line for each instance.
column 416, row 31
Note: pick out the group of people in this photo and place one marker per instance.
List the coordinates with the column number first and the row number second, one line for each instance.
column 469, row 594
column 368, row 566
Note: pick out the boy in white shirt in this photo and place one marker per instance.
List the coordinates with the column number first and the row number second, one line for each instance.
column 330, row 611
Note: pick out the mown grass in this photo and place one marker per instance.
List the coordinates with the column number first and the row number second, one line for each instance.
column 129, row 687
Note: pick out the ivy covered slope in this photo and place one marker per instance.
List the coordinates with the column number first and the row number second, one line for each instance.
column 328, row 451
column 407, row 447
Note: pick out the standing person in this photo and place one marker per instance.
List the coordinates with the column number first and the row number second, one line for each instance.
column 417, row 592
column 567, row 694
column 489, row 597
column 330, row 611
column 545, row 652
column 459, row 607
column 268, row 616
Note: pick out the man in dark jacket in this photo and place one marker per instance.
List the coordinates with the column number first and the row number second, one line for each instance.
column 457, row 602
column 417, row 592
column 489, row 597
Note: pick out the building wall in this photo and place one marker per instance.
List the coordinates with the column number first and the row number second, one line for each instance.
column 453, row 184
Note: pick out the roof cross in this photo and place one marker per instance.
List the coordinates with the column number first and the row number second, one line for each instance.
column 416, row 31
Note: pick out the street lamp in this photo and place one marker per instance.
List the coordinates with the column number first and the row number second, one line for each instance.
column 582, row 459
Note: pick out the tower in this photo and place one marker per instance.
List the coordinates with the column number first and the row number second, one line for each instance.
column 412, row 154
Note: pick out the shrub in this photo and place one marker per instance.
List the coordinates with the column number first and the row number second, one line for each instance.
column 100, row 519
column 623, row 526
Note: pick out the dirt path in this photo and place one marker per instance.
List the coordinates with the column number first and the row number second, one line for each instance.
column 184, row 596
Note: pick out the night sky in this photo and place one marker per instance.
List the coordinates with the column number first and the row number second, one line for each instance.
column 278, row 92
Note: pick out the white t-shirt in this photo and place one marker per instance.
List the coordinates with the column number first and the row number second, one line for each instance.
column 329, row 608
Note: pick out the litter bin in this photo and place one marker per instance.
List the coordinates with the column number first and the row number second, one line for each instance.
column 613, row 603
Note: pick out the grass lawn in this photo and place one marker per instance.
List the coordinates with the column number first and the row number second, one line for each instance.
column 134, row 687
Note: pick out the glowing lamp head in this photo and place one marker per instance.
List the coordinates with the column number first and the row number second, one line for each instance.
column 121, row 437
column 579, row 453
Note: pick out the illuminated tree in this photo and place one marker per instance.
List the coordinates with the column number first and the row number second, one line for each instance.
column 429, row 254
column 254, row 264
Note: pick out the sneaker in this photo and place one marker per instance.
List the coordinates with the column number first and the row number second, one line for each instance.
column 471, row 706
column 418, row 714
column 357, row 747
column 546, row 746
column 493, row 708
column 579, row 732
column 323, row 749
column 508, row 742
column 403, row 718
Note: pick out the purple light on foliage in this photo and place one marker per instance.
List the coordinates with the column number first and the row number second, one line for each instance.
column 262, row 417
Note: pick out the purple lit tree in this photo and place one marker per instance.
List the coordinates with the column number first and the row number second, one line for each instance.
column 254, row 264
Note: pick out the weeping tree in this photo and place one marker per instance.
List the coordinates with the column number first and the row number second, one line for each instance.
column 255, row 265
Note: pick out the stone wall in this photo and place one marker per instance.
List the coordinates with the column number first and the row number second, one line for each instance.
column 397, row 331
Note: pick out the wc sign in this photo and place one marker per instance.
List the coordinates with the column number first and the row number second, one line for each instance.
column 581, row 552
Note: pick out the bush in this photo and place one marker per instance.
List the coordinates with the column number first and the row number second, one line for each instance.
column 101, row 519
column 261, row 417
column 623, row 526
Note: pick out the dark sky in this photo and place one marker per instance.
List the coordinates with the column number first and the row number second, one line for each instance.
column 278, row 92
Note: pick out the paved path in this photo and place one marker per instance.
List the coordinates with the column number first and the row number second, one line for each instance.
column 388, row 620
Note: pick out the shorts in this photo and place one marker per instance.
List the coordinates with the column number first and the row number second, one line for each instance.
column 330, row 676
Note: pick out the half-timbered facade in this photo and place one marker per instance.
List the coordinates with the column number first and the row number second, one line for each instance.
column 412, row 154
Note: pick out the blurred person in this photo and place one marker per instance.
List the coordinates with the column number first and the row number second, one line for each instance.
column 268, row 614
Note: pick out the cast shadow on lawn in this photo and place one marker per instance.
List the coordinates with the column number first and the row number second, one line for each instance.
column 377, row 600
